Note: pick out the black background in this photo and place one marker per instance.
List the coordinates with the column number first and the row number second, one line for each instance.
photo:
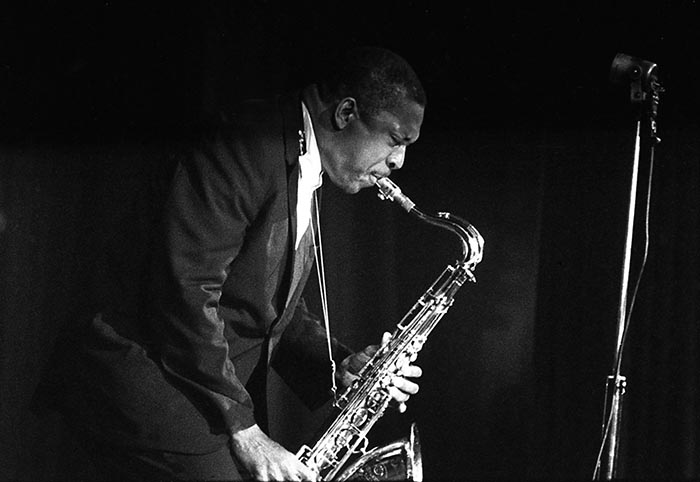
column 524, row 135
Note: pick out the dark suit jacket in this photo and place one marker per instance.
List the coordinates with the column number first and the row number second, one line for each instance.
column 182, row 359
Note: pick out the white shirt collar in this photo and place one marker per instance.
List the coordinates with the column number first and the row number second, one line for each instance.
column 310, row 161
column 310, row 176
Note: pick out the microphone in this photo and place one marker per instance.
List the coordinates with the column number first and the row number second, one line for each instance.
column 640, row 74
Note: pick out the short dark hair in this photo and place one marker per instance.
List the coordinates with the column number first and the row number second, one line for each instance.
column 377, row 78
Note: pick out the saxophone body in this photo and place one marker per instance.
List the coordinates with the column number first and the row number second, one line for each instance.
column 364, row 402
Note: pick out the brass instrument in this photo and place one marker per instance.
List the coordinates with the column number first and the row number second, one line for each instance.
column 365, row 401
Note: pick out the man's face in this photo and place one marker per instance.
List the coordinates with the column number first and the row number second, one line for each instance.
column 370, row 148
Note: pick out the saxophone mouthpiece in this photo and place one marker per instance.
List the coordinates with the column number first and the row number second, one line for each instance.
column 390, row 191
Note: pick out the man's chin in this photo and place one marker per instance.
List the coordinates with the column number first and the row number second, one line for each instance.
column 352, row 188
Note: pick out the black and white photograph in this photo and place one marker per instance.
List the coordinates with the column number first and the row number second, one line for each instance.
column 267, row 240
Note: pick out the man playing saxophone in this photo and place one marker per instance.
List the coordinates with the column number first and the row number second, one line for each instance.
column 167, row 380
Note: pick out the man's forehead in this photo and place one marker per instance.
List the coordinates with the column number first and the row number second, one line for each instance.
column 404, row 120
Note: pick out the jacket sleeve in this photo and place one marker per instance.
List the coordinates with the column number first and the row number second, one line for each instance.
column 301, row 357
column 212, row 202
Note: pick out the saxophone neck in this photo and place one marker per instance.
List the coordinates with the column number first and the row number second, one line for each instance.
column 472, row 242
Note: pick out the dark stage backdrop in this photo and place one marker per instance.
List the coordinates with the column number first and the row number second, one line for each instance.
column 524, row 136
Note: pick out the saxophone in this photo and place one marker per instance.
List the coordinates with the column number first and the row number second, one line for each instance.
column 364, row 402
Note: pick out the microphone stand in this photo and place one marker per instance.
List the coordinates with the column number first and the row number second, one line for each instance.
column 644, row 90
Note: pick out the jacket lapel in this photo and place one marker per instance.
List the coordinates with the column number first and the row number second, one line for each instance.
column 293, row 126
column 295, row 146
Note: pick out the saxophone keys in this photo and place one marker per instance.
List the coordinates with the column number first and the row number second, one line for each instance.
column 360, row 417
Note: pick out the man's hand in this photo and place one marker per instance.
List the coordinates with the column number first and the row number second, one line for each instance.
column 400, row 389
column 265, row 459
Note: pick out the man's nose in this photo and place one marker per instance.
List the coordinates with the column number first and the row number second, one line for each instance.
column 395, row 159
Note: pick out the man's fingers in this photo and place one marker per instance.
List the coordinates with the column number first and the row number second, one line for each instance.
column 369, row 351
column 403, row 388
column 411, row 371
column 397, row 395
column 308, row 474
column 354, row 363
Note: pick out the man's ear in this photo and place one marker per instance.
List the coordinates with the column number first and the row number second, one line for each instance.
column 345, row 113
